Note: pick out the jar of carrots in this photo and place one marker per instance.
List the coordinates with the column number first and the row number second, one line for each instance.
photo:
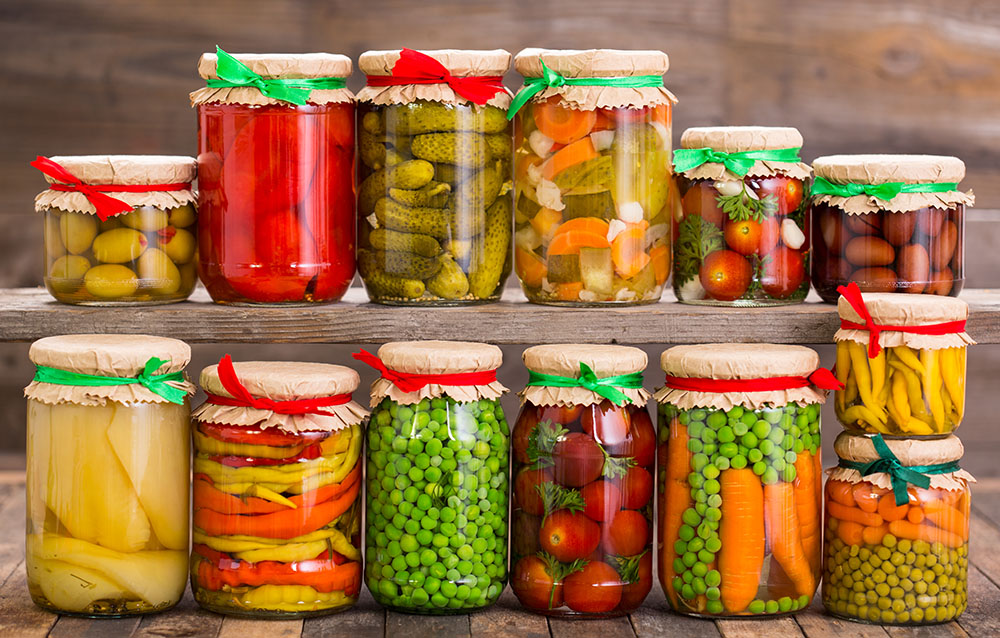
column 739, row 482
column 897, row 531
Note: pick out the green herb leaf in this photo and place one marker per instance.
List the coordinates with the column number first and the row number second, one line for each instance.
column 542, row 441
column 628, row 567
column 615, row 467
column 742, row 206
column 799, row 214
column 696, row 238
column 556, row 497
column 559, row 571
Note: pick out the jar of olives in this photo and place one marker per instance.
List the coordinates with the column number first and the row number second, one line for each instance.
column 897, row 531
column 119, row 229
column 889, row 223
column 276, row 177
column 437, row 478
column 108, row 474
column 740, row 238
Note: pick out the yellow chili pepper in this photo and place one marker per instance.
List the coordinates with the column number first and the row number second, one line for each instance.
column 862, row 414
column 954, row 379
column 851, row 391
column 909, row 358
column 859, row 361
column 877, row 366
column 899, row 398
column 260, row 491
column 230, row 544
column 290, row 598
column 913, row 393
column 932, row 386
column 843, row 371
column 290, row 553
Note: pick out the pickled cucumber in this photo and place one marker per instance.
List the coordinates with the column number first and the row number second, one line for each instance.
column 383, row 284
column 500, row 146
column 407, row 265
column 600, row 204
column 461, row 250
column 450, row 282
column 484, row 276
column 145, row 218
column 119, row 246
column 433, row 195
column 422, row 245
column 563, row 268
column 77, row 231
column 480, row 191
column 451, row 174
column 421, row 220
column 409, row 175
column 109, row 281
column 158, row 273
column 371, row 123
column 462, row 148
column 371, row 150
column 594, row 174
column 430, row 117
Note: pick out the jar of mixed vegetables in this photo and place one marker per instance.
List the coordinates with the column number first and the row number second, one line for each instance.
column 277, row 485
column 436, row 540
column 897, row 531
column 740, row 482
column 890, row 223
column 584, row 447
column 741, row 236
column 107, row 474
column 434, row 203
column 275, row 177
column 594, row 194
column 119, row 229
column 901, row 359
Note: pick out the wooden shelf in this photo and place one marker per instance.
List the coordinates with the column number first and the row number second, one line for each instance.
column 27, row 314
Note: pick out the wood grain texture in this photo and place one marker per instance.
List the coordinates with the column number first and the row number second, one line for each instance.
column 815, row 623
column 186, row 620
column 68, row 627
column 19, row 618
column 365, row 620
column 507, row 619
column 982, row 617
column 247, row 628
column 399, row 625
column 771, row 627
column 604, row 628
column 655, row 620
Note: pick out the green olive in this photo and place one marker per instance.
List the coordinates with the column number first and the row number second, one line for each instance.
column 119, row 246
column 66, row 273
column 145, row 218
column 182, row 216
column 111, row 223
column 110, row 281
column 53, row 243
column 159, row 275
column 179, row 244
column 77, row 231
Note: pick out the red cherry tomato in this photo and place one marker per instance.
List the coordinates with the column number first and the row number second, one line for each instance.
column 636, row 487
column 533, row 585
column 770, row 235
column 743, row 236
column 783, row 272
column 569, row 535
column 700, row 200
column 595, row 589
column 634, row 593
column 626, row 534
column 601, row 500
column 725, row 275
column 526, row 494
column 284, row 257
column 787, row 190
column 521, row 437
column 558, row 414
column 606, row 422
column 578, row 460
column 641, row 444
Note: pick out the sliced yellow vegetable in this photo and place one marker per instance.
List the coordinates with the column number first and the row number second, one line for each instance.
column 289, row 598
column 230, row 544
column 71, row 587
column 289, row 553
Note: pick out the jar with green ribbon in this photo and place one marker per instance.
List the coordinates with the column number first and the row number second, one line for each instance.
column 740, row 234
column 889, row 223
column 108, row 474
column 584, row 449
column 593, row 187
column 897, row 531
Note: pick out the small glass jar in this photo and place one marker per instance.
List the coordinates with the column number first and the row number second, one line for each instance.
column 892, row 564
column 743, row 240
column 912, row 242
column 107, row 475
column 583, row 488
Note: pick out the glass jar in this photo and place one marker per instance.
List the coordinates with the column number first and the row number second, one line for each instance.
column 437, row 481
column 890, row 563
column 277, row 490
column 912, row 242
column 434, row 203
column 107, row 475
column 276, row 186
column 594, row 191
column 583, row 489
column 742, row 239
column 105, row 257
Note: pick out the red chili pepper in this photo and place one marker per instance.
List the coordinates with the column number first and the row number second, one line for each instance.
column 272, row 437
column 206, row 496
column 323, row 575
column 308, row 454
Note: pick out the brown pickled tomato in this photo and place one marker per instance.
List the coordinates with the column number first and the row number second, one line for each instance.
column 597, row 588
column 786, row 190
column 636, row 488
column 641, row 445
column 569, row 535
column 783, row 272
column 601, row 499
column 534, row 586
column 725, row 275
column 526, row 490
column 578, row 460
column 626, row 534
column 700, row 200
column 743, row 236
column 607, row 423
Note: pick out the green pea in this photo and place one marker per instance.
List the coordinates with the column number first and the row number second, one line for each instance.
column 726, row 435
column 694, row 445
column 696, row 429
column 713, row 544
column 759, row 468
column 722, row 463
column 740, row 428
column 766, row 447
column 713, row 486
column 738, row 462
column 749, row 440
column 687, row 592
column 756, row 607
column 771, row 607
column 699, row 461
column 713, row 578
column 784, row 604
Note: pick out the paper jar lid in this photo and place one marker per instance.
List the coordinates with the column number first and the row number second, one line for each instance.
column 565, row 359
column 460, row 63
column 738, row 139
column 275, row 66
column 910, row 452
column 902, row 309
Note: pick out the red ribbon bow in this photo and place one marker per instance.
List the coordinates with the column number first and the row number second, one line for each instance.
column 243, row 399
column 821, row 378
column 105, row 205
column 852, row 293
column 414, row 67
column 408, row 382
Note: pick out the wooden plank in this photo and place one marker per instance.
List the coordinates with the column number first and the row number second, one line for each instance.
column 508, row 619
column 12, row 509
column 399, row 625
column 755, row 628
column 245, row 628
column 655, row 620
column 982, row 617
column 604, row 628
column 947, row 630
column 19, row 617
column 70, row 627
column 186, row 620
column 364, row 620
column 985, row 539
column 816, row 623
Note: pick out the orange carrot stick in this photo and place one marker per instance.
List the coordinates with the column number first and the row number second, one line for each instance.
column 925, row 532
column 865, row 497
column 677, row 499
column 783, row 532
column 874, row 535
column 808, row 509
column 850, row 532
column 742, row 533
column 915, row 514
column 562, row 124
column 841, row 492
column 947, row 518
column 867, row 519
column 207, row 496
column 888, row 509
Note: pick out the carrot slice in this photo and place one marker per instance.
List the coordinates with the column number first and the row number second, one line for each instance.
column 545, row 220
column 742, row 534
column 662, row 114
column 627, row 251
column 660, row 255
column 530, row 267
column 569, row 291
column 576, row 153
column 570, row 243
column 603, row 122
column 585, row 224
column 561, row 124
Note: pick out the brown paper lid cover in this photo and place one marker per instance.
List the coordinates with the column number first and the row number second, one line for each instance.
column 438, row 357
column 901, row 309
column 564, row 360
column 909, row 451
column 275, row 66
column 460, row 63
column 738, row 139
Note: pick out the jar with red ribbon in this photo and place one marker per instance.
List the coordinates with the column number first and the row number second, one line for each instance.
column 901, row 359
column 276, row 177
column 584, row 448
column 434, row 202
column 119, row 229
column 277, row 485
column 740, row 478
column 437, row 478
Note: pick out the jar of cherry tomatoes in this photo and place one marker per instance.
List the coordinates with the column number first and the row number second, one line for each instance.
column 594, row 193
column 897, row 531
column 584, row 447
column 741, row 236
column 740, row 478
column 277, row 490
column 276, row 177
column 889, row 223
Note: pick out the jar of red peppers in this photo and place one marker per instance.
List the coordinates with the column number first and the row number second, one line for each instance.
column 584, row 447
column 889, row 223
column 276, row 177
column 277, row 484
column 740, row 480
column 434, row 203
column 741, row 236
column 594, row 194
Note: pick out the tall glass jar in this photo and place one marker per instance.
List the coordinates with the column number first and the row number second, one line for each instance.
column 437, row 478
column 594, row 191
column 434, row 203
column 107, row 474
column 276, row 180
column 583, row 486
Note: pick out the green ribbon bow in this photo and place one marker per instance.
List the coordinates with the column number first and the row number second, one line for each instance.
column 550, row 78
column 155, row 383
column 233, row 73
column 884, row 192
column 899, row 474
column 739, row 163
column 606, row 387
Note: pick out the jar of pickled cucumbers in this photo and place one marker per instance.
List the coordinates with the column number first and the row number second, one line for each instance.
column 107, row 474
column 434, row 202
column 276, row 177
column 277, row 490
column 594, row 192
column 119, row 229
column 740, row 482
column 890, row 223
column 584, row 448
column 741, row 238
column 897, row 531
column 901, row 359
column 437, row 478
